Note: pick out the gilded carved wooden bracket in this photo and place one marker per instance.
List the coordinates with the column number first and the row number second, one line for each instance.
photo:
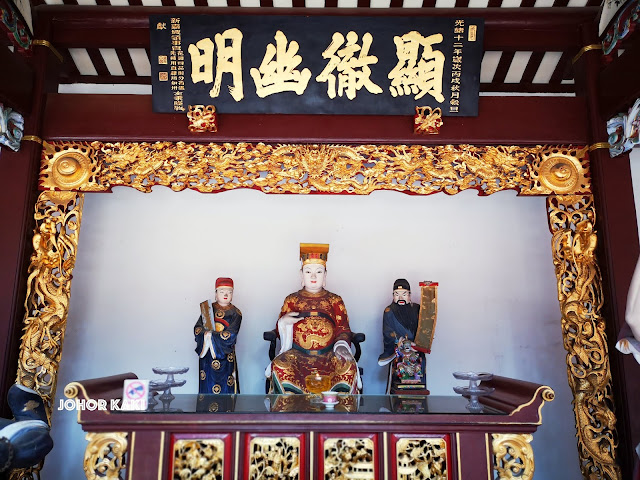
column 427, row 121
column 202, row 118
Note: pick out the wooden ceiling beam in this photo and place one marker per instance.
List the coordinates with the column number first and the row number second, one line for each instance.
column 535, row 29
column 501, row 121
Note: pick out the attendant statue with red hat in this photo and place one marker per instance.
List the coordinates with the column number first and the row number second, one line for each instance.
column 315, row 338
column 216, row 332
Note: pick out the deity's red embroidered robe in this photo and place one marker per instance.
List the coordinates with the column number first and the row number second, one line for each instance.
column 324, row 323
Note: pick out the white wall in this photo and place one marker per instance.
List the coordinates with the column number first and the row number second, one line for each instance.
column 145, row 261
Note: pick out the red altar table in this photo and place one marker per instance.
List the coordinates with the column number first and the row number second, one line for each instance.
column 296, row 436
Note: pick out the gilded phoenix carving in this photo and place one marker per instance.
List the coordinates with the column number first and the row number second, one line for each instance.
column 421, row 458
column 55, row 241
column 198, row 459
column 361, row 169
column 572, row 220
column 513, row 456
column 272, row 458
column 104, row 455
column 346, row 458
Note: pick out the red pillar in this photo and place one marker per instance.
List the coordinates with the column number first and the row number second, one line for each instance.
column 18, row 194
column 618, row 248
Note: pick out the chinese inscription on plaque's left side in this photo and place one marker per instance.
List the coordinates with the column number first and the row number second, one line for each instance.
column 176, row 64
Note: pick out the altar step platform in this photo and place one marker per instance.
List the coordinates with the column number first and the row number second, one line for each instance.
column 299, row 437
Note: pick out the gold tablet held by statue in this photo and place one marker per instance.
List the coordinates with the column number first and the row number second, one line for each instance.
column 427, row 316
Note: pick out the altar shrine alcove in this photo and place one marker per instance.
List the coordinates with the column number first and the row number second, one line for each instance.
column 154, row 234
column 475, row 247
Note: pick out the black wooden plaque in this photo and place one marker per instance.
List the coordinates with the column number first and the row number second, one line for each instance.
column 348, row 65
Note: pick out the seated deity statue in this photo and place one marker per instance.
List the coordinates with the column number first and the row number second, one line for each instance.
column 407, row 372
column 315, row 338
column 216, row 332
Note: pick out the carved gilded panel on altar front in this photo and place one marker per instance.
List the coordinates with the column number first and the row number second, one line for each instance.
column 274, row 457
column 420, row 457
column 199, row 459
column 346, row 457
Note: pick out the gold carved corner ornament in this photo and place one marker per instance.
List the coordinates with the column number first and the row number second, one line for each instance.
column 303, row 169
column 574, row 241
column 513, row 456
column 104, row 457
column 202, row 118
column 194, row 457
column 427, row 121
column 55, row 242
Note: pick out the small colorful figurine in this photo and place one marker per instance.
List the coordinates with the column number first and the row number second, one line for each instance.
column 216, row 332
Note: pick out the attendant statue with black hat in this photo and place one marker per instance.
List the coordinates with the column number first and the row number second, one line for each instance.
column 216, row 332
column 407, row 370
